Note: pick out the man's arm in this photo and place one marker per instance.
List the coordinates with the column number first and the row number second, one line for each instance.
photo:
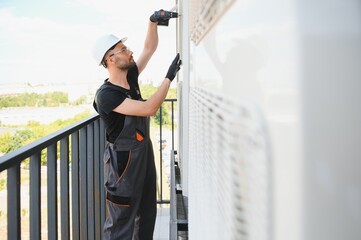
column 149, row 108
column 150, row 45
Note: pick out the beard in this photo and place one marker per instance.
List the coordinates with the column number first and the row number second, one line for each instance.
column 126, row 65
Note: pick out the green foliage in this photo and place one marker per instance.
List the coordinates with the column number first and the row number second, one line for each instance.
column 80, row 100
column 53, row 99
column 5, row 138
column 148, row 91
column 166, row 115
column 20, row 138
column 2, row 185
column 33, row 131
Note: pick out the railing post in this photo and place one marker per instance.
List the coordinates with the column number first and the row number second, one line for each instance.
column 83, row 185
column 13, row 187
column 172, row 124
column 160, row 153
column 35, row 197
column 97, row 185
column 75, row 185
column 52, row 193
column 101, row 169
column 90, row 180
column 64, row 188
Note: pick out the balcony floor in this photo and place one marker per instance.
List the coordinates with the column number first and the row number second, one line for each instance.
column 161, row 231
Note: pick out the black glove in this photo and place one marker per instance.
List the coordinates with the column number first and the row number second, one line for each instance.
column 162, row 17
column 174, row 68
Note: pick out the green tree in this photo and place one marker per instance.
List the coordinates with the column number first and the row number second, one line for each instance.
column 33, row 131
column 20, row 138
column 5, row 139
column 148, row 91
column 80, row 100
column 52, row 99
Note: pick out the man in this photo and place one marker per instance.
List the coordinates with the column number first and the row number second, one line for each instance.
column 129, row 169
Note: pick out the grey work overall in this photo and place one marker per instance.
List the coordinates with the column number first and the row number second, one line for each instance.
column 130, row 194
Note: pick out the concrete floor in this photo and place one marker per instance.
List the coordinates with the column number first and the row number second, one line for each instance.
column 161, row 231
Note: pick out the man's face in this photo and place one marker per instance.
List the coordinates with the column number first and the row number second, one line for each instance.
column 122, row 57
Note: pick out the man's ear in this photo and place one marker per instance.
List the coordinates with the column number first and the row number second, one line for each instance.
column 110, row 60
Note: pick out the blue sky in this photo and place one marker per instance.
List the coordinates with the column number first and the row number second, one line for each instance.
column 50, row 41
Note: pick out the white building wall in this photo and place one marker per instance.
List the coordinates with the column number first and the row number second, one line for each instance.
column 330, row 71
column 274, row 119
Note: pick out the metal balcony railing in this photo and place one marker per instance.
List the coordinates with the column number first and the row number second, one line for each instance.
column 78, row 200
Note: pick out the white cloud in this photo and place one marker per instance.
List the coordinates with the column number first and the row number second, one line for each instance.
column 35, row 46
column 128, row 9
column 35, row 49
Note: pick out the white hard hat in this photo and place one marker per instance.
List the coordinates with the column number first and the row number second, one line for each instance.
column 103, row 44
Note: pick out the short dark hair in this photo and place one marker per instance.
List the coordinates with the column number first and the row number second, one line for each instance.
column 104, row 62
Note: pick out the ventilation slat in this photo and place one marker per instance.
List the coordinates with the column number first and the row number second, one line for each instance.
column 203, row 14
column 229, row 174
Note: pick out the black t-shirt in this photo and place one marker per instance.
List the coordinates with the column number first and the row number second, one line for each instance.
column 109, row 96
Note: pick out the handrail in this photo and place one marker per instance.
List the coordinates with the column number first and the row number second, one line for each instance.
column 15, row 157
column 80, row 162
column 86, row 210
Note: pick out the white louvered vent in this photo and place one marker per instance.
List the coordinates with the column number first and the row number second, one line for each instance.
column 203, row 14
column 229, row 179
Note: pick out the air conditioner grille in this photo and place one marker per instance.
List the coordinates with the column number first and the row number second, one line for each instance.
column 228, row 169
column 203, row 14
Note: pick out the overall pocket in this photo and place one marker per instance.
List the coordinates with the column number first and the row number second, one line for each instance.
column 122, row 162
column 109, row 174
column 119, row 208
column 115, row 166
